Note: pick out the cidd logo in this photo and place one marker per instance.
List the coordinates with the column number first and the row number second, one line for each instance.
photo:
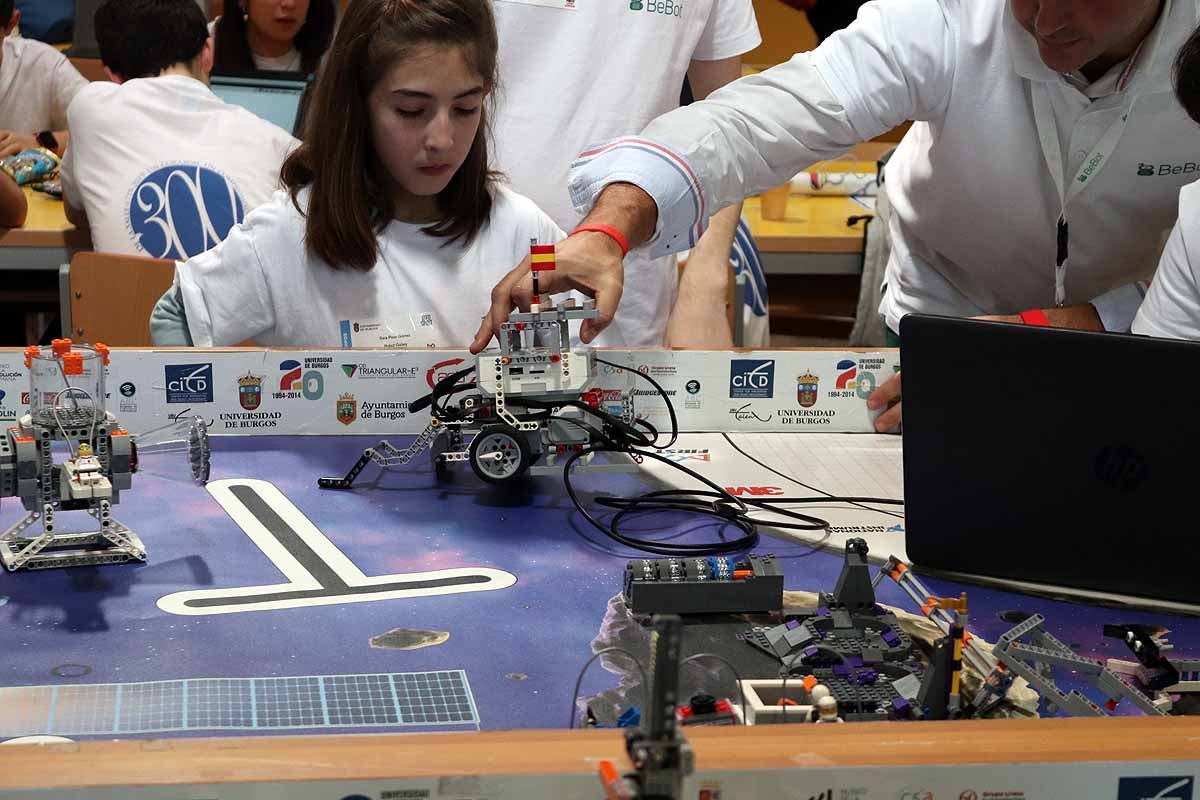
column 751, row 378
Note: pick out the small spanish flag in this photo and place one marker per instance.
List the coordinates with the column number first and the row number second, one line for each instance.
column 541, row 257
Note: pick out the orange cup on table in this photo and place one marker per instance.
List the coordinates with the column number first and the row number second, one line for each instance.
column 775, row 202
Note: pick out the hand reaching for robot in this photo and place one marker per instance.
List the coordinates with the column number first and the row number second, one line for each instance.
column 589, row 262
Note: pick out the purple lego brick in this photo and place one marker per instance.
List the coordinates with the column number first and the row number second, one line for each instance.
column 853, row 661
column 822, row 612
column 901, row 707
column 841, row 670
column 866, row 677
column 891, row 638
column 792, row 624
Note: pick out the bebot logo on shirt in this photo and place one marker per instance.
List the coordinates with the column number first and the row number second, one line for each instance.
column 181, row 210
column 668, row 8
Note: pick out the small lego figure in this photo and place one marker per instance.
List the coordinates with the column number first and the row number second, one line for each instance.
column 827, row 710
column 86, row 466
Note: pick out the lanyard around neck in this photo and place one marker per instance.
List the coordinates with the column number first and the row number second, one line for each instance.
column 1097, row 159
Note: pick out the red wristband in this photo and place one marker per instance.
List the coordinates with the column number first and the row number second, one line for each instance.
column 610, row 231
column 1035, row 316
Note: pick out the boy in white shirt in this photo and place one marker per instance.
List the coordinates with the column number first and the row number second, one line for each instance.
column 159, row 165
column 37, row 83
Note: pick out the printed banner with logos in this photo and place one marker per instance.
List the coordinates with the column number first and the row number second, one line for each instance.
column 272, row 392
column 1163, row 780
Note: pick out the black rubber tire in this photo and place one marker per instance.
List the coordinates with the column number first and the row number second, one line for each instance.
column 504, row 438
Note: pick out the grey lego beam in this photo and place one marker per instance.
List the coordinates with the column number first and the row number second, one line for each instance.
column 1029, row 652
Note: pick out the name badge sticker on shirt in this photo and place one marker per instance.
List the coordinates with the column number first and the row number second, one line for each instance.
column 399, row 332
column 563, row 5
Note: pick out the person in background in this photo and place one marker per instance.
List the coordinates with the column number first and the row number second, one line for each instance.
column 576, row 75
column 393, row 227
column 1050, row 192
column 273, row 35
column 704, row 288
column 159, row 165
column 1171, row 309
column 37, row 83
column 49, row 21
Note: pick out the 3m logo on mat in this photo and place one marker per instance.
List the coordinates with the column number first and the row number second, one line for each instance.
column 1167, row 788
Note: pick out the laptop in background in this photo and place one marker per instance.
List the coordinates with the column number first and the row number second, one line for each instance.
column 83, row 43
column 278, row 97
column 1053, row 457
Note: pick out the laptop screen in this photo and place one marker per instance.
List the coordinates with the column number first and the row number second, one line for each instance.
column 275, row 99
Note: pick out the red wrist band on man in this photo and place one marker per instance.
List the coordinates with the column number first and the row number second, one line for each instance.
column 608, row 230
column 1035, row 316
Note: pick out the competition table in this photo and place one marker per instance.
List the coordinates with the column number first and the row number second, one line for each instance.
column 46, row 240
column 269, row 607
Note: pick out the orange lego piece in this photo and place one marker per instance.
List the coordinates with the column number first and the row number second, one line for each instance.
column 742, row 574
column 60, row 346
column 958, row 604
column 809, row 682
column 72, row 363
column 31, row 353
column 103, row 350
column 611, row 780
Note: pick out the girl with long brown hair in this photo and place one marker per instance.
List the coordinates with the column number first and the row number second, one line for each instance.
column 392, row 229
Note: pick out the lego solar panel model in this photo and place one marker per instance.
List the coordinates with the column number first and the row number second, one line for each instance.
column 715, row 585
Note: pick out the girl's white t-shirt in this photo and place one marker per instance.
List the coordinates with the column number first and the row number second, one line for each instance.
column 262, row 283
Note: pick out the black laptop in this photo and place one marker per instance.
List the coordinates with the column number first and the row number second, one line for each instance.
column 278, row 97
column 1052, row 456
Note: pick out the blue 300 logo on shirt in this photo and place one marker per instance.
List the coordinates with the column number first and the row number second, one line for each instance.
column 181, row 210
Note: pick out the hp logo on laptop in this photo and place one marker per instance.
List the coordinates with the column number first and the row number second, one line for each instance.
column 1120, row 467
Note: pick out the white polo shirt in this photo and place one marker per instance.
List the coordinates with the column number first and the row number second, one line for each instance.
column 37, row 84
column 1000, row 150
column 264, row 284
column 1172, row 306
column 576, row 72
column 164, row 168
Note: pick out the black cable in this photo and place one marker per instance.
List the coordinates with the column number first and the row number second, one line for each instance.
column 662, row 393
column 827, row 496
column 739, row 520
column 597, row 654
column 616, row 435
